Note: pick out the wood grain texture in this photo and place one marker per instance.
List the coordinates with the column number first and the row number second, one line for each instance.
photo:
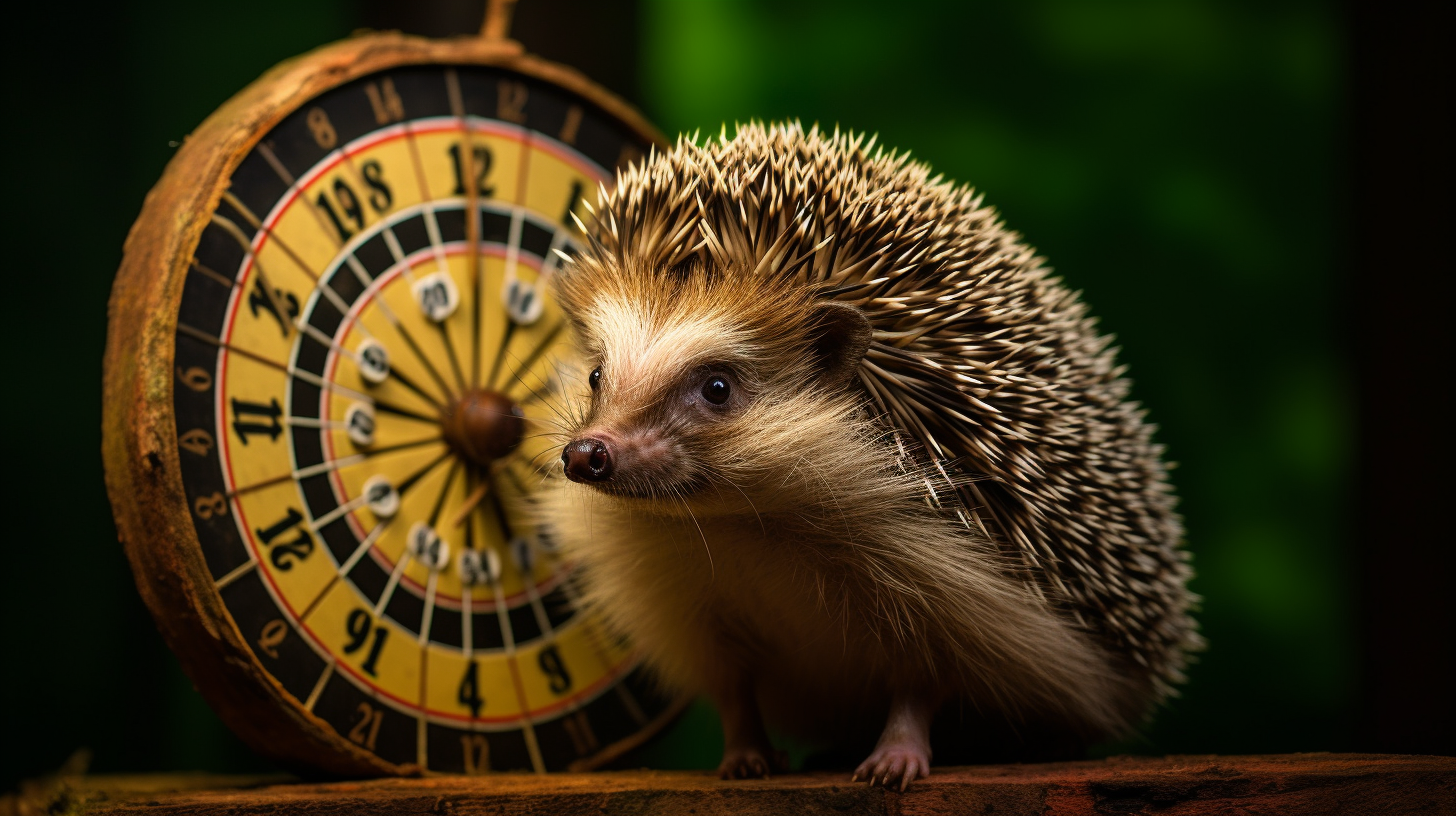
column 1174, row 786
column 139, row 434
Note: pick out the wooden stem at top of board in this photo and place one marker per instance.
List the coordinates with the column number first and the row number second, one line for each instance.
column 497, row 24
column 139, row 433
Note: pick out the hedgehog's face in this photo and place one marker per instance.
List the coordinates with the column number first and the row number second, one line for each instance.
column 695, row 397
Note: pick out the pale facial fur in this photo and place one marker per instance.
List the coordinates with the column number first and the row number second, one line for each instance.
column 677, row 452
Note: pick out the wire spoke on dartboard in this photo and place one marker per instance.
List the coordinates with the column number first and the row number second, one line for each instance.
column 429, row 368
column 419, row 474
column 269, row 292
column 469, row 545
column 455, row 467
column 477, row 284
column 270, row 235
column 198, row 334
column 210, row 273
column 516, row 483
column 499, row 511
column 524, row 365
column 405, row 381
column 403, row 413
column 455, row 367
column 424, row 358
column 544, row 395
column 466, row 156
column 272, row 158
column 401, row 446
column 450, row 353
column 500, row 354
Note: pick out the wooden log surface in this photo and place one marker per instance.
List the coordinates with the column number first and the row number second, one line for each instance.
column 1171, row 786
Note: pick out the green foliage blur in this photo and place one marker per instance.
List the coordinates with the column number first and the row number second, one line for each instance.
column 1178, row 161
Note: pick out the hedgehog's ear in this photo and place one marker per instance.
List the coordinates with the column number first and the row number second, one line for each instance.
column 841, row 335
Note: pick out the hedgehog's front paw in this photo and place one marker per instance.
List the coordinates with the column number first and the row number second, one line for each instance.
column 752, row 762
column 902, row 762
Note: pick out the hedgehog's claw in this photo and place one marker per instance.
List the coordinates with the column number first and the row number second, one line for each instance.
column 896, row 762
column 903, row 752
column 750, row 763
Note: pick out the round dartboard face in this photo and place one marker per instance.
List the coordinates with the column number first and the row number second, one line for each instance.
column 367, row 359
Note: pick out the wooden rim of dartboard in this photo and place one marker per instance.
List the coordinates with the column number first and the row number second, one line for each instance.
column 153, row 510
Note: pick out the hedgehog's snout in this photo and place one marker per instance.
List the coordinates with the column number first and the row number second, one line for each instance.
column 587, row 460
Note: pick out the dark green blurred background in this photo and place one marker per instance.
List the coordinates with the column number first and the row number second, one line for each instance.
column 1183, row 163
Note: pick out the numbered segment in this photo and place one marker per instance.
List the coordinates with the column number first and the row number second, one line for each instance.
column 366, row 361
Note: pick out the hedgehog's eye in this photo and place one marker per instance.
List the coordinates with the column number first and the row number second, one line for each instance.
column 716, row 390
column 596, row 378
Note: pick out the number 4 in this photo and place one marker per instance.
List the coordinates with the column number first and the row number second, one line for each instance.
column 468, row 694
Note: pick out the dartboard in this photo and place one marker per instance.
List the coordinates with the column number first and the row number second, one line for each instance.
column 332, row 369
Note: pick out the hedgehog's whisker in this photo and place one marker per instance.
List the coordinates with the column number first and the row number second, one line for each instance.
column 544, row 394
column 672, row 489
column 746, row 498
column 547, row 452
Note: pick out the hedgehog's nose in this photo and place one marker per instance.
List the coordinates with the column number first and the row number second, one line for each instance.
column 587, row 460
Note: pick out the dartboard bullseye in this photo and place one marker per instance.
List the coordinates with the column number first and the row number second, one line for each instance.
column 361, row 359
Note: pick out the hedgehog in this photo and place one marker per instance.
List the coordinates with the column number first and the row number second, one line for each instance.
column 853, row 464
